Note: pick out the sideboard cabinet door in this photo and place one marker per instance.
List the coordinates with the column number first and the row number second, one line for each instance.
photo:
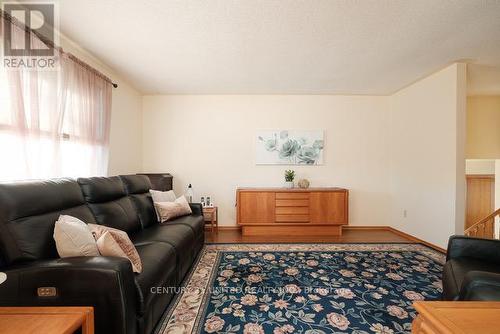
column 256, row 207
column 328, row 207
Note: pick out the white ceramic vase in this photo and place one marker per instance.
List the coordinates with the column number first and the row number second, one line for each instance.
column 289, row 184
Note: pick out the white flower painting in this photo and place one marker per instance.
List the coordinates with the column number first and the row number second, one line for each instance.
column 289, row 147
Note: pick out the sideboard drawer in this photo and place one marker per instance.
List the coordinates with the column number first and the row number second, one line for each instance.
column 292, row 218
column 292, row 210
column 292, row 202
column 292, row 195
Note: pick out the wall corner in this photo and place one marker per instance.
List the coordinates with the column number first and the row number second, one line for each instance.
column 461, row 110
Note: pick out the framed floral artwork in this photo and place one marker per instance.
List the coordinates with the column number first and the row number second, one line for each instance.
column 289, row 147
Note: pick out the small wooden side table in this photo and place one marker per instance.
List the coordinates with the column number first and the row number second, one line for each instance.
column 47, row 320
column 210, row 215
column 456, row 317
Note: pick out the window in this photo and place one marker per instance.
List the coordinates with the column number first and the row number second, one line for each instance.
column 54, row 123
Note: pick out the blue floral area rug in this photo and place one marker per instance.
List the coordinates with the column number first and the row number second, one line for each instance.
column 305, row 289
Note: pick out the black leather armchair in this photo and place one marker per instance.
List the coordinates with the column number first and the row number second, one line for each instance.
column 472, row 269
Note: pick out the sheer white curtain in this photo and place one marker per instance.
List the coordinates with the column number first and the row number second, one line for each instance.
column 53, row 123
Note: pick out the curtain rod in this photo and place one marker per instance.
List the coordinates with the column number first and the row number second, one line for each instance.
column 52, row 45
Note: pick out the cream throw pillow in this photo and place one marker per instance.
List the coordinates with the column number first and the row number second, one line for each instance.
column 113, row 242
column 160, row 197
column 170, row 210
column 73, row 238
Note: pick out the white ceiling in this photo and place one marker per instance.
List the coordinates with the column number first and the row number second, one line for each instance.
column 282, row 46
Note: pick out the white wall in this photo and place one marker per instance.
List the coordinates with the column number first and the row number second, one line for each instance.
column 428, row 148
column 125, row 143
column 209, row 141
column 125, row 147
column 394, row 153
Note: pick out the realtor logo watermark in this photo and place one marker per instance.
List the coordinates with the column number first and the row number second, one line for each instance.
column 21, row 48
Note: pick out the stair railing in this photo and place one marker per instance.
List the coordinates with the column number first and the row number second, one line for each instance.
column 485, row 228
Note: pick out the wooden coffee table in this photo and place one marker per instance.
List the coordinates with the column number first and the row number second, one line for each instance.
column 47, row 320
column 456, row 317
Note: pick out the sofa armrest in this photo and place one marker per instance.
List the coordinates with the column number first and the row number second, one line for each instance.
column 481, row 249
column 480, row 286
column 197, row 209
column 106, row 283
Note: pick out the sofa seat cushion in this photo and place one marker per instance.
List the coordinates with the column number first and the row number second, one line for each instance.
column 158, row 272
column 196, row 223
column 455, row 270
column 179, row 236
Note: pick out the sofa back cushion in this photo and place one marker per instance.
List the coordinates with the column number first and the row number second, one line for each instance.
column 28, row 213
column 109, row 203
column 137, row 188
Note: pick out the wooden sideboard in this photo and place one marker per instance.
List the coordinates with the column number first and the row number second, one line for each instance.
column 456, row 317
column 282, row 211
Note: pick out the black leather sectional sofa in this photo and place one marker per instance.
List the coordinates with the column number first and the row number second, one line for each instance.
column 123, row 302
column 472, row 269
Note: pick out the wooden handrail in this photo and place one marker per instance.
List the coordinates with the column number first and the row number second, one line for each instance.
column 480, row 224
